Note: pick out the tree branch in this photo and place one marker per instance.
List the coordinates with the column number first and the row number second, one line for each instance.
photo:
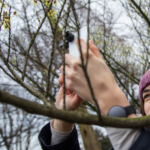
column 39, row 109
column 141, row 11
column 31, row 43
column 18, row 79
column 9, row 38
column 53, row 45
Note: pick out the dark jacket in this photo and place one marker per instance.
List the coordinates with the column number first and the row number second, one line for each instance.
column 71, row 143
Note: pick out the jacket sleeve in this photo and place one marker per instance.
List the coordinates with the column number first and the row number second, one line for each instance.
column 122, row 138
column 71, row 143
column 143, row 141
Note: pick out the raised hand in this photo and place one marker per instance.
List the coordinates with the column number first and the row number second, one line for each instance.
column 73, row 101
column 102, row 80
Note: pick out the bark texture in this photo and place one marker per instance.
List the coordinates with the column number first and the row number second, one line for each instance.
column 89, row 139
column 50, row 111
column 88, row 136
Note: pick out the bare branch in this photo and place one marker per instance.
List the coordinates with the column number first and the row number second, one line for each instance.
column 7, row 73
column 142, row 13
column 31, row 90
column 53, row 43
column 9, row 35
column 1, row 15
column 82, row 61
column 36, row 108
column 31, row 43
column 88, row 31
column 64, row 45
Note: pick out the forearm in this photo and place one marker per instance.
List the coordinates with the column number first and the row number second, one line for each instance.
column 112, row 97
column 58, row 136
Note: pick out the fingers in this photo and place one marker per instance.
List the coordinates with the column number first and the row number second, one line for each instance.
column 83, row 47
column 68, row 75
column 94, row 49
column 60, row 79
column 71, row 61
column 68, row 71
column 68, row 91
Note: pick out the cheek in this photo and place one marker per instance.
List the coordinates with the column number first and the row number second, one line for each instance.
column 147, row 107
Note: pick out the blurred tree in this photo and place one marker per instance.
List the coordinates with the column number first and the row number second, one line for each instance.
column 103, row 139
column 30, row 55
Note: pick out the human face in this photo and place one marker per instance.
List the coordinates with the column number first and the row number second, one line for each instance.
column 146, row 98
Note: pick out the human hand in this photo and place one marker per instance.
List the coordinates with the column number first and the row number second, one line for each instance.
column 102, row 80
column 72, row 100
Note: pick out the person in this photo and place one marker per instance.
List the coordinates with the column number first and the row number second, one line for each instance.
column 62, row 135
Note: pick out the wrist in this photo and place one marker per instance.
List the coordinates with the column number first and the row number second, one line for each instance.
column 132, row 116
column 62, row 126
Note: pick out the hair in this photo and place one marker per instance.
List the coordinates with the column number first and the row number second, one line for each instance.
column 142, row 109
column 144, row 82
column 142, row 106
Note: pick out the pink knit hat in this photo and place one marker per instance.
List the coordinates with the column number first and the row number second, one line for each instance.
column 145, row 80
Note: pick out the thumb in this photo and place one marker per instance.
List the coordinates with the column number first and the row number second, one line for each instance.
column 94, row 49
column 61, row 79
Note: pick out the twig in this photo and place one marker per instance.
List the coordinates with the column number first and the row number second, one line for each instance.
column 140, row 10
column 88, row 22
column 31, row 90
column 9, row 36
column 78, row 28
column 133, row 77
column 52, row 100
column 82, row 63
column 30, row 33
column 31, row 43
column 64, row 45
column 46, row 11
column 7, row 73
column 52, row 52
column 58, row 18
column 1, row 14
column 30, row 57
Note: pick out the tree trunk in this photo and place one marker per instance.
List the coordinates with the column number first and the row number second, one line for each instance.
column 88, row 136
